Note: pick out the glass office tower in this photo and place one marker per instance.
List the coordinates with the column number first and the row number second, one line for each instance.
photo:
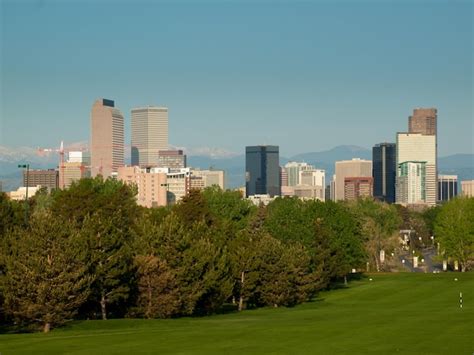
column 384, row 162
column 262, row 170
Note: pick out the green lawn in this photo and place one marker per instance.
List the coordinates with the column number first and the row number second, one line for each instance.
column 395, row 313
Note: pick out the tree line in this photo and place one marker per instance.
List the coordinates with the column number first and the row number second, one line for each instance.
column 90, row 252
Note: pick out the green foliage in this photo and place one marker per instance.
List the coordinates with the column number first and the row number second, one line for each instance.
column 454, row 228
column 45, row 280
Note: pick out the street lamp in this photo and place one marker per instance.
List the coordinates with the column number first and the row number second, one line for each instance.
column 27, row 167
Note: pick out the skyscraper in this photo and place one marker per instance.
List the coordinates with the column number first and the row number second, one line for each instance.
column 149, row 134
column 411, row 182
column 423, row 121
column 293, row 169
column 416, row 147
column 107, row 138
column 262, row 170
column 350, row 168
column 447, row 187
column 384, row 171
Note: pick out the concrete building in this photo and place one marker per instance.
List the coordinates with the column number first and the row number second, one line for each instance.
column 411, row 183
column 20, row 194
column 293, row 170
column 45, row 178
column 467, row 188
column 149, row 135
column 358, row 187
column 262, row 170
column 384, row 171
column 313, row 177
column 200, row 179
column 416, row 147
column 151, row 185
column 107, row 138
column 283, row 177
column 447, row 187
column 261, row 199
column 309, row 192
column 332, row 188
column 76, row 167
column 350, row 168
column 423, row 121
column 174, row 159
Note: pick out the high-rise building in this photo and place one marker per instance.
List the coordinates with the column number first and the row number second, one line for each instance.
column 423, row 121
column 45, row 178
column 313, row 177
column 350, row 168
column 262, row 170
column 357, row 187
column 174, row 159
column 447, row 187
column 416, row 147
column 384, row 171
column 411, row 182
column 149, row 135
column 467, row 188
column 107, row 138
column 293, row 169
column 283, row 177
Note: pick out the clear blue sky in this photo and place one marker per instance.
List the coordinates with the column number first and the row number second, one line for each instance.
column 306, row 76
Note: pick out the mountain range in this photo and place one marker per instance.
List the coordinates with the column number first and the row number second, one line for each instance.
column 234, row 165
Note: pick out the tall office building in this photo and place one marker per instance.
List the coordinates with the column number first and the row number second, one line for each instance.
column 45, row 178
column 423, row 121
column 313, row 177
column 107, row 138
column 77, row 167
column 447, row 187
column 416, row 147
column 384, row 171
column 293, row 169
column 149, row 135
column 411, row 182
column 350, row 168
column 357, row 187
column 200, row 179
column 262, row 170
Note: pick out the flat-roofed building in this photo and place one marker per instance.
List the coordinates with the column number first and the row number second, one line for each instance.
column 447, row 187
column 174, row 159
column 467, row 188
column 411, row 183
column 20, row 193
column 350, row 168
column 200, row 179
column 107, row 138
column 358, row 187
column 416, row 147
column 149, row 134
column 262, row 170
column 45, row 178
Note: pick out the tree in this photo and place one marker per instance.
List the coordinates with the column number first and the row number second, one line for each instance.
column 45, row 280
column 379, row 224
column 454, row 228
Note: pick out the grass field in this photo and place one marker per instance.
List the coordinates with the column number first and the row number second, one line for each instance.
column 394, row 313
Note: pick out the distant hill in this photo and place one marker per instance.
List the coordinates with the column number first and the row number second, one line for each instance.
column 234, row 166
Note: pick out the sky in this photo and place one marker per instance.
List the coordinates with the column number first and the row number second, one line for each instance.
column 306, row 76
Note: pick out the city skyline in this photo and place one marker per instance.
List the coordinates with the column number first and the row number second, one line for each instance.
column 320, row 80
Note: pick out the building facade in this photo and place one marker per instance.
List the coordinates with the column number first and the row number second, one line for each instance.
column 149, row 135
column 467, row 188
column 416, row 147
column 151, row 186
column 293, row 170
column 45, row 178
column 384, row 171
column 200, row 179
column 423, row 121
column 174, row 159
column 107, row 138
column 358, row 187
column 77, row 167
column 411, row 183
column 350, row 168
column 447, row 187
column 262, row 170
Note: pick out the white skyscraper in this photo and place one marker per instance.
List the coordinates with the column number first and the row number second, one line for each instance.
column 416, row 147
column 149, row 134
column 293, row 169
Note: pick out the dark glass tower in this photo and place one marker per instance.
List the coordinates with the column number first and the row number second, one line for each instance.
column 262, row 170
column 384, row 156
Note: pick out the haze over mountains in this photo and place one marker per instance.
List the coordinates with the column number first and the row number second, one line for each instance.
column 234, row 165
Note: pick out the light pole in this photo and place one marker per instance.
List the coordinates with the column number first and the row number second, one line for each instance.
column 27, row 167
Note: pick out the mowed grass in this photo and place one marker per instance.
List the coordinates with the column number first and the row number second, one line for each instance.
column 395, row 313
